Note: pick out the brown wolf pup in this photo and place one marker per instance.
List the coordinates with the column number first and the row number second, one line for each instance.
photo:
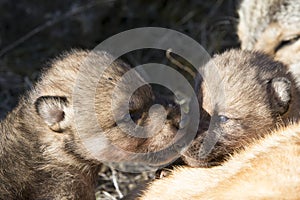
column 245, row 94
column 41, row 154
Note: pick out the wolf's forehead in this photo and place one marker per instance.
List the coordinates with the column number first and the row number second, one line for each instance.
column 233, row 91
column 230, row 75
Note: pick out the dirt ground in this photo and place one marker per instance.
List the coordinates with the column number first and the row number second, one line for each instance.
column 32, row 32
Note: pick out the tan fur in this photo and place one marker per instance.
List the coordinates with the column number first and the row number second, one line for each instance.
column 255, row 94
column 272, row 26
column 267, row 169
column 42, row 156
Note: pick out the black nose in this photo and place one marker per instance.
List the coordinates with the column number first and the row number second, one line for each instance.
column 173, row 110
column 174, row 116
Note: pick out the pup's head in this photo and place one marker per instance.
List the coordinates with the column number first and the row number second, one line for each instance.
column 105, row 115
column 244, row 95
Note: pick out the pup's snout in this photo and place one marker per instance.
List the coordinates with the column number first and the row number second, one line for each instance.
column 173, row 115
column 177, row 118
column 177, row 115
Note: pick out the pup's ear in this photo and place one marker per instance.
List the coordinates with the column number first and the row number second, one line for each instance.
column 280, row 91
column 52, row 109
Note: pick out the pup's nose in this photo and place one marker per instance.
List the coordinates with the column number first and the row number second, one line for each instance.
column 174, row 115
column 177, row 116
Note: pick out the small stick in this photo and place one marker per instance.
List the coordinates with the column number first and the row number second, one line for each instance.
column 109, row 195
column 179, row 64
column 115, row 182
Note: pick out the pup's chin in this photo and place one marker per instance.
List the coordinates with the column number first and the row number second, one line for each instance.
column 194, row 158
column 196, row 162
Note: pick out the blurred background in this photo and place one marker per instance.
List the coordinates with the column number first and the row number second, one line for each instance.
column 33, row 32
